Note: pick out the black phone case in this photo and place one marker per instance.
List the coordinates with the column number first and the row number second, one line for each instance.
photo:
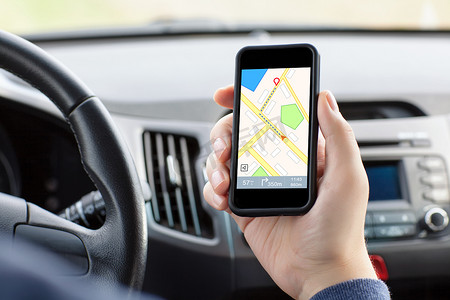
column 312, row 167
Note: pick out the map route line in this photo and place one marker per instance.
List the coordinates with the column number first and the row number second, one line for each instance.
column 253, row 140
column 291, row 145
column 268, row 98
column 263, row 162
column 274, row 89
column 257, row 112
column 296, row 99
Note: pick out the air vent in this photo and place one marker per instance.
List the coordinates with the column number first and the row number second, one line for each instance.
column 379, row 110
column 176, row 201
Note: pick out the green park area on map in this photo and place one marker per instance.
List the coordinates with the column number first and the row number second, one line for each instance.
column 260, row 172
column 291, row 115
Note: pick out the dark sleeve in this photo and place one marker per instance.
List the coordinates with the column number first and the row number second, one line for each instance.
column 357, row 289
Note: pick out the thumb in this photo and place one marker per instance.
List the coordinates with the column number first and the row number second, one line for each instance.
column 340, row 145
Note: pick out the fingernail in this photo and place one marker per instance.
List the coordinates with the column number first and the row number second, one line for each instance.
column 218, row 200
column 219, row 146
column 332, row 102
column 216, row 179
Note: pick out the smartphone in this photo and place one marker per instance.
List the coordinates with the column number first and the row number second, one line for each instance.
column 274, row 143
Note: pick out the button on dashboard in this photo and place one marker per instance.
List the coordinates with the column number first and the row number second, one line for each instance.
column 394, row 231
column 368, row 219
column 435, row 180
column 432, row 163
column 368, row 232
column 437, row 195
column 380, row 218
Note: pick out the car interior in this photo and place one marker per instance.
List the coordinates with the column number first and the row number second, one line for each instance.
column 145, row 140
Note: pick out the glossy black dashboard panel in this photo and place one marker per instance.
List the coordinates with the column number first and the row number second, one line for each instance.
column 42, row 158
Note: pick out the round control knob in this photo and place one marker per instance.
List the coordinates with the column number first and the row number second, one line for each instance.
column 436, row 219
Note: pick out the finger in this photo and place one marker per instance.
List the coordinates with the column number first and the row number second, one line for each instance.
column 221, row 138
column 341, row 146
column 212, row 165
column 224, row 96
column 219, row 202
column 342, row 158
column 218, row 175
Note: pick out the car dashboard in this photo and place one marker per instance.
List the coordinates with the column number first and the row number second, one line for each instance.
column 393, row 87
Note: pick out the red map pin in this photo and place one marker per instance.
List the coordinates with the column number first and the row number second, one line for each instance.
column 276, row 80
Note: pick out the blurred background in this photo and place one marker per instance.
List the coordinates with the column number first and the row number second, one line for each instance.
column 32, row 16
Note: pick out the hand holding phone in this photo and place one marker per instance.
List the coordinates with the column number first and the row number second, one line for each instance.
column 315, row 246
column 273, row 160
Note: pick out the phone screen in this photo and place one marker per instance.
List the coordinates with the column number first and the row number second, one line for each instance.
column 273, row 133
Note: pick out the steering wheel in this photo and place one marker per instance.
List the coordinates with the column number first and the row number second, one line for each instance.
column 116, row 252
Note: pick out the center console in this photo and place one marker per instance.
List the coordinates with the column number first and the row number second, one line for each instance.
column 409, row 198
column 407, row 220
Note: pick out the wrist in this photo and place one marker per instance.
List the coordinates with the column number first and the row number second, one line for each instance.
column 356, row 267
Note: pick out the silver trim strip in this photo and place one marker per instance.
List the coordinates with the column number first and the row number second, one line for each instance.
column 180, row 205
column 190, row 188
column 150, row 173
column 173, row 164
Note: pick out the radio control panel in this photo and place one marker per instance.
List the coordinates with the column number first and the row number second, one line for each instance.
column 390, row 224
column 409, row 198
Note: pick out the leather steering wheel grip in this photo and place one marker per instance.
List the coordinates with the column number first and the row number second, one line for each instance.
column 117, row 251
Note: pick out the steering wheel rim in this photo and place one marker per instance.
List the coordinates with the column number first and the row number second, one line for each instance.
column 117, row 251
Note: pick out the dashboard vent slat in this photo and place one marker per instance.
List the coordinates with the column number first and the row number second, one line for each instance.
column 175, row 180
column 162, row 173
column 176, row 202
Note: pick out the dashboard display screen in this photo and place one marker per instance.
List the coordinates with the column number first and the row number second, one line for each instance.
column 384, row 180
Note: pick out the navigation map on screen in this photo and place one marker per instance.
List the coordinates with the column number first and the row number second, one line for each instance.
column 273, row 128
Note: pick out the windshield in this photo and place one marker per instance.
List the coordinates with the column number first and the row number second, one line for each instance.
column 33, row 16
